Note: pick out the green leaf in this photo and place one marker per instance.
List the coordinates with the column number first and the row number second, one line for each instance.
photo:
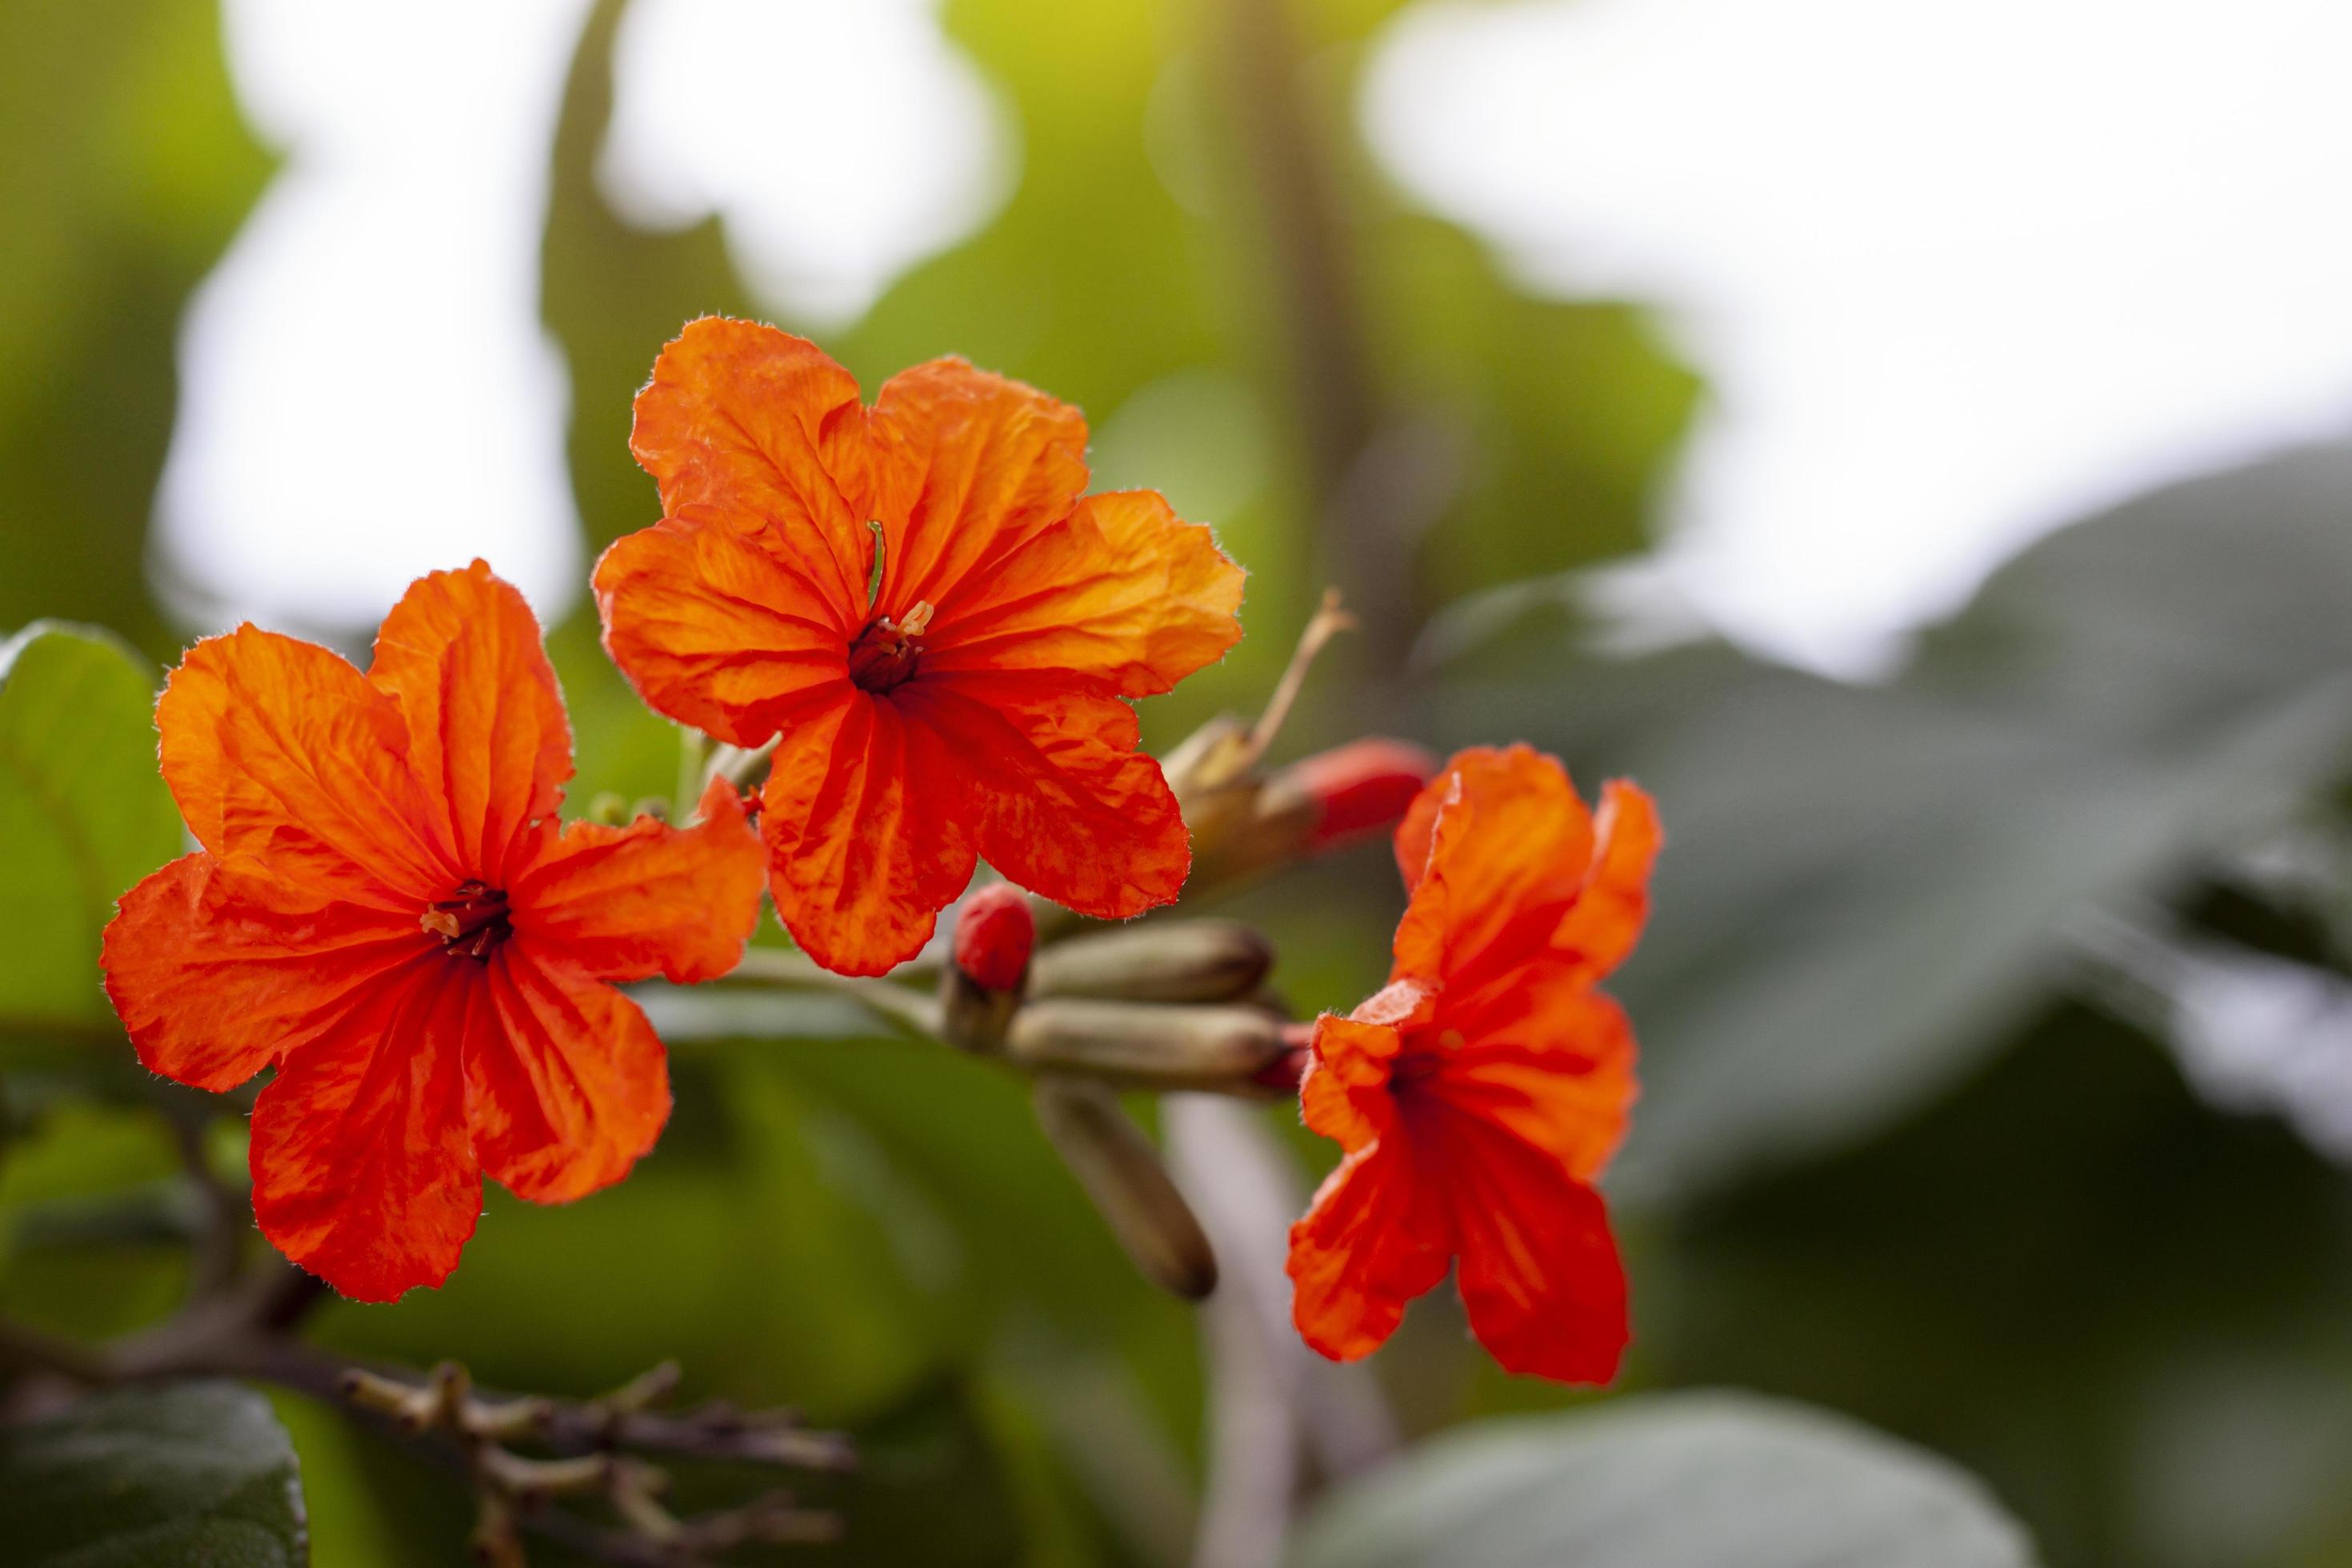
column 82, row 810
column 1680, row 1480
column 198, row 1475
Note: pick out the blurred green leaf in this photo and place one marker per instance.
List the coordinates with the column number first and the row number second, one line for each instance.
column 1681, row 1480
column 82, row 810
column 193, row 1475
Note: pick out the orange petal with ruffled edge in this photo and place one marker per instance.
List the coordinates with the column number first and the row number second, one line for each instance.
column 718, row 630
column 624, row 903
column 1068, row 807
column 765, row 430
column 972, row 467
column 1539, row 1276
column 1606, row 919
column 212, row 982
column 280, row 753
column 1375, row 1237
column 865, row 816
column 1546, row 1058
column 1123, row 595
column 363, row 1170
column 1508, row 844
column 570, row 1089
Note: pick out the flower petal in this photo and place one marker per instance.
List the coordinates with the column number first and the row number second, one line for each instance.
column 570, row 1088
column 1345, row 1094
column 1372, row 1240
column 1603, row 923
column 487, row 733
column 1548, row 1059
column 979, row 465
column 1123, row 591
column 623, row 903
column 866, row 822
column 1539, row 1277
column 212, row 982
column 363, row 1169
column 1508, row 845
column 1068, row 807
column 282, row 753
column 767, row 431
column 717, row 629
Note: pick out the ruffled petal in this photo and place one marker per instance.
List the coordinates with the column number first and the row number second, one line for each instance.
column 1605, row 922
column 362, row 1169
column 768, row 432
column 1372, row 1240
column 1123, row 593
column 978, row 464
column 1548, row 1059
column 1540, row 1276
column 570, row 1088
column 1508, row 845
column 717, row 629
column 212, row 982
column 1346, row 1093
column 487, row 733
column 282, row 754
column 1068, row 807
column 865, row 817
column 623, row 903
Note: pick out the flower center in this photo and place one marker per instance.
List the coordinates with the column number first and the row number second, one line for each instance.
column 471, row 922
column 885, row 655
column 1423, row 1055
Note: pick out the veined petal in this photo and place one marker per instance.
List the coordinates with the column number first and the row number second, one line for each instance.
column 487, row 733
column 978, row 466
column 865, row 817
column 1374, row 1238
column 1539, row 1277
column 363, row 1172
column 1507, row 847
column 282, row 753
column 717, row 629
column 212, row 982
column 1068, row 807
column 767, row 431
column 570, row 1088
column 1346, row 1092
column 1548, row 1059
column 623, row 903
column 1123, row 593
column 1603, row 923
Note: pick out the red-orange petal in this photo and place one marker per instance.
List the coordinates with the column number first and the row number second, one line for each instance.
column 624, row 903
column 716, row 630
column 1508, row 844
column 487, row 733
column 1122, row 595
column 866, row 819
column 279, row 753
column 1540, row 1275
column 570, row 1088
column 974, row 466
column 1547, row 1058
column 213, row 983
column 363, row 1172
column 1067, row 806
column 1374, row 1238
column 1605, row 922
column 1345, row 1094
column 767, row 431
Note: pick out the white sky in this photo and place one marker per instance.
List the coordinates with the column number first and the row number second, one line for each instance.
column 1954, row 272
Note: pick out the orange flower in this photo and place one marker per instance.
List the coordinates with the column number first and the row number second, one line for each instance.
column 384, row 910
column 920, row 599
column 1477, row 1095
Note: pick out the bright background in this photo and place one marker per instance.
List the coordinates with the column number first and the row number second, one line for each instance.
column 1663, row 380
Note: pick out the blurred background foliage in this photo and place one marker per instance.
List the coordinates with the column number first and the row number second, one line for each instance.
column 1970, row 1110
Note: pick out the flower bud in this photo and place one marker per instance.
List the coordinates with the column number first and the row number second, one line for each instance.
column 995, row 933
column 1170, row 961
column 1121, row 1172
column 1144, row 1045
column 1359, row 789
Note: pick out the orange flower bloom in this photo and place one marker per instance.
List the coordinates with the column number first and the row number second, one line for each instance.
column 920, row 599
column 384, row 908
column 1477, row 1095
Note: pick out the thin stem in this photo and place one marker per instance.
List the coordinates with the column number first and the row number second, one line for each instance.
column 913, row 1011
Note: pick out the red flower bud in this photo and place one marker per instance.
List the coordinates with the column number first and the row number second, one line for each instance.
column 993, row 935
column 1360, row 788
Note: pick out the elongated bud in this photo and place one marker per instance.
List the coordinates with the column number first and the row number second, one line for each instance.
column 1145, row 1044
column 1175, row 961
column 1121, row 1172
column 981, row 989
column 1283, row 1075
column 1351, row 792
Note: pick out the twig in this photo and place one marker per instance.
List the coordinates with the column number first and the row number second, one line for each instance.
column 914, row 1011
